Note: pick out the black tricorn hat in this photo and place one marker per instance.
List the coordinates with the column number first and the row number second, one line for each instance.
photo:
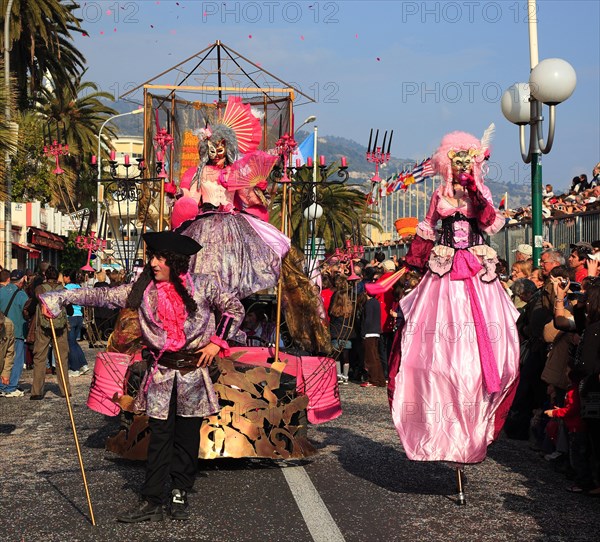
column 169, row 241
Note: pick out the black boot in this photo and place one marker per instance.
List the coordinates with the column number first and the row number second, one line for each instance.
column 178, row 505
column 144, row 511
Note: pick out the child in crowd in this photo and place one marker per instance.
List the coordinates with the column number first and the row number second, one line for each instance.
column 578, row 437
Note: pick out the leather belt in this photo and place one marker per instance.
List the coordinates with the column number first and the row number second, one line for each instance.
column 181, row 361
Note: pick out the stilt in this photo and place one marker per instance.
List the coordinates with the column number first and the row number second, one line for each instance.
column 462, row 500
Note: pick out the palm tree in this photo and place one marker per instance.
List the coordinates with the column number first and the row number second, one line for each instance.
column 41, row 45
column 9, row 134
column 345, row 213
column 32, row 177
column 79, row 112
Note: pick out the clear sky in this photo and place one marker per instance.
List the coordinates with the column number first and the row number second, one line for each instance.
column 420, row 68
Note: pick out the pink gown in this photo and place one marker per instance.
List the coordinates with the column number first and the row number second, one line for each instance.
column 459, row 347
column 243, row 252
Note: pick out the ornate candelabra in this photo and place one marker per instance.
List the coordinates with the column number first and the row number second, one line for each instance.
column 126, row 192
column 378, row 155
column 55, row 147
column 322, row 175
column 126, row 188
column 92, row 244
column 306, row 178
column 348, row 254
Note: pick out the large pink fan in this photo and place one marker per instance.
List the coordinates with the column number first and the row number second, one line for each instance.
column 239, row 118
column 251, row 171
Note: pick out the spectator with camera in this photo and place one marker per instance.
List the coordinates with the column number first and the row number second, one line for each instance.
column 585, row 322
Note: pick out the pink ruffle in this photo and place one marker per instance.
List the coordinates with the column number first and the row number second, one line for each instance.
column 222, row 344
column 172, row 313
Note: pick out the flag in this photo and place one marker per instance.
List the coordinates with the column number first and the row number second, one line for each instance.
column 393, row 183
column 306, row 148
column 423, row 171
column 417, row 173
column 408, row 180
column 428, row 168
column 503, row 202
column 400, row 182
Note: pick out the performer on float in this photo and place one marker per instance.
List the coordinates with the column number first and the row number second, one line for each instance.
column 459, row 352
column 223, row 206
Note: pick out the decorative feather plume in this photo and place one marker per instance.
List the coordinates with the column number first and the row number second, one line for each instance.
column 486, row 140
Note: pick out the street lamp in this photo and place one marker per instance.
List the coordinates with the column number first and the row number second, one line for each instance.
column 98, row 210
column 551, row 82
column 310, row 119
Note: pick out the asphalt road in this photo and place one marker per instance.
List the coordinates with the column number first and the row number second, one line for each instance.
column 360, row 486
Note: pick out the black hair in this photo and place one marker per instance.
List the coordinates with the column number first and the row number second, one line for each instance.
column 178, row 265
column 51, row 273
column 592, row 297
column 369, row 274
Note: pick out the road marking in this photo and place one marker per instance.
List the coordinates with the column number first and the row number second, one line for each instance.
column 31, row 420
column 321, row 525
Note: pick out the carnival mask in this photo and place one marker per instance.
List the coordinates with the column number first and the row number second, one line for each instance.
column 217, row 151
column 461, row 162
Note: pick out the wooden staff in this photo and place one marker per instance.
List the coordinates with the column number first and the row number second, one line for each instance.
column 66, row 391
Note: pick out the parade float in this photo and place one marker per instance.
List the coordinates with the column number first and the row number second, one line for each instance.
column 269, row 393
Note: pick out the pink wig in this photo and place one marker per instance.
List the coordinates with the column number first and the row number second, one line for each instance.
column 458, row 141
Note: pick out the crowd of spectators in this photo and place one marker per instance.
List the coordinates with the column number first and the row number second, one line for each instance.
column 583, row 196
column 557, row 403
column 26, row 341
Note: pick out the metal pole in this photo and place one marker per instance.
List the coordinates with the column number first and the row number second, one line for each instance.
column 536, row 157
column 7, row 159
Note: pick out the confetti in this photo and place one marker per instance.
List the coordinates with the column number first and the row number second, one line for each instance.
column 173, row 32
column 250, row 36
column 356, row 36
column 302, row 38
column 115, row 29
column 102, row 32
column 85, row 35
column 378, row 59
column 151, row 26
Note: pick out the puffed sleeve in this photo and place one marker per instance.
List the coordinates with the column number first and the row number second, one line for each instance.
column 420, row 248
column 232, row 315
column 111, row 298
column 490, row 219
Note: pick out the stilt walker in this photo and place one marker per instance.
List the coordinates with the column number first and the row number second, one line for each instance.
column 457, row 357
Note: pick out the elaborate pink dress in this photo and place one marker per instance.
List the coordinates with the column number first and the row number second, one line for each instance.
column 243, row 252
column 459, row 352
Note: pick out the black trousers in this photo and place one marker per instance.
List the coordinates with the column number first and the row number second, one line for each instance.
column 173, row 450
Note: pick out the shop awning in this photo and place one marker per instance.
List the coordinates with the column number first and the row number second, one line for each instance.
column 46, row 239
column 33, row 252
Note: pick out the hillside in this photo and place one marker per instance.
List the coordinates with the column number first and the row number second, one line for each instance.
column 334, row 147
